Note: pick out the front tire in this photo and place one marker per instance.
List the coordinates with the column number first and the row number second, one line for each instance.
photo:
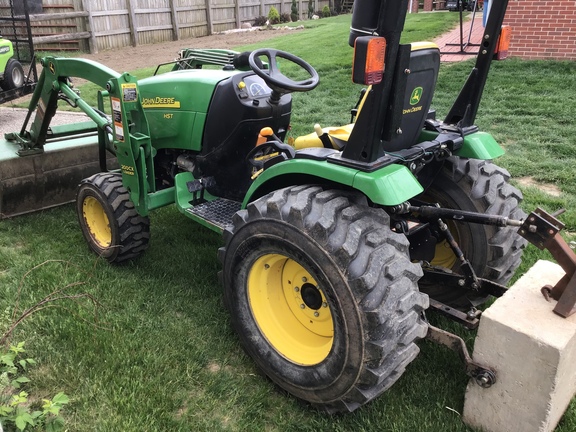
column 110, row 224
column 323, row 295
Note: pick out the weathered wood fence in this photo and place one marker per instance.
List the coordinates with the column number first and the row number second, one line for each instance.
column 93, row 25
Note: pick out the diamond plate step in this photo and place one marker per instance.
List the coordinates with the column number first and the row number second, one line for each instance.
column 218, row 212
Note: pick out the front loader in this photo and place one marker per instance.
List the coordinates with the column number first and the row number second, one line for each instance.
column 334, row 245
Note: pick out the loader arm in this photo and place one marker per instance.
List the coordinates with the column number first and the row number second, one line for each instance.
column 52, row 82
column 128, row 124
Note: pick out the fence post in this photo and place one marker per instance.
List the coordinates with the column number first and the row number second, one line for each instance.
column 92, row 43
column 300, row 9
column 132, row 23
column 209, row 17
column 175, row 25
column 237, row 13
column 262, row 8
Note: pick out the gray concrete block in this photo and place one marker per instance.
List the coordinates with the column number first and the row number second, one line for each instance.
column 533, row 351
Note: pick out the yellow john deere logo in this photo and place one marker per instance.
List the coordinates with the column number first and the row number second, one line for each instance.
column 416, row 95
column 52, row 68
column 160, row 102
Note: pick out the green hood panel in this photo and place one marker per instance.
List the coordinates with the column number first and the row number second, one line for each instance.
column 186, row 90
column 176, row 104
column 388, row 186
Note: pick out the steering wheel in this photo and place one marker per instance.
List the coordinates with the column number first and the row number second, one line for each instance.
column 275, row 79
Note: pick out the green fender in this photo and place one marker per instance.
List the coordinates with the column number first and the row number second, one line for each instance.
column 388, row 186
column 479, row 145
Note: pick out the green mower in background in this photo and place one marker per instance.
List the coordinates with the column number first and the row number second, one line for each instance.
column 335, row 244
column 11, row 71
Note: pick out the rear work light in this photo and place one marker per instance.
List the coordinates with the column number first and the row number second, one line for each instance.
column 368, row 65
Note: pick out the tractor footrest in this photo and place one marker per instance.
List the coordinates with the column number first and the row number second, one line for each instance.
column 218, row 212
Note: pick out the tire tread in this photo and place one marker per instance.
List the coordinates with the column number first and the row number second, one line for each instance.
column 383, row 281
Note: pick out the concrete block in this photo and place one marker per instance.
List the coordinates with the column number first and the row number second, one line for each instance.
column 533, row 351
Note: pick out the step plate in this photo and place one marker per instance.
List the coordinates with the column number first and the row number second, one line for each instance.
column 218, row 212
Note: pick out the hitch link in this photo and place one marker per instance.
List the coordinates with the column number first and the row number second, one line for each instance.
column 483, row 376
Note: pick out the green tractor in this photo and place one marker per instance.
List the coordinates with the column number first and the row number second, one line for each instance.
column 11, row 71
column 334, row 246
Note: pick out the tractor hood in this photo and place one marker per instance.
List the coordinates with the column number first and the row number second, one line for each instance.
column 186, row 90
column 176, row 105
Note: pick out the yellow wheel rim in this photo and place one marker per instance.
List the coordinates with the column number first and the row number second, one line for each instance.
column 444, row 255
column 290, row 309
column 97, row 222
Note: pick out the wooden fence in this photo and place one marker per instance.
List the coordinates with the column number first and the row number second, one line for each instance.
column 93, row 25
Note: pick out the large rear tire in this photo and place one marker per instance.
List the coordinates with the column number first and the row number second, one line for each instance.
column 494, row 252
column 323, row 295
column 110, row 224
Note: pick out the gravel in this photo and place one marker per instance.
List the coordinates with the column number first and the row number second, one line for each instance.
column 12, row 119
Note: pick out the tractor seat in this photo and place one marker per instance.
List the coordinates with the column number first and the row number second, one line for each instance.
column 424, row 67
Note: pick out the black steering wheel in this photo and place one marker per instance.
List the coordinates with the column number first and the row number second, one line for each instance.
column 275, row 79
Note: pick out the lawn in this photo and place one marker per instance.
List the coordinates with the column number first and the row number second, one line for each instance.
column 157, row 352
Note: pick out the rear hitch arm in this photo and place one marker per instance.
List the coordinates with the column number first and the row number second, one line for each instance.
column 483, row 376
column 539, row 228
column 543, row 230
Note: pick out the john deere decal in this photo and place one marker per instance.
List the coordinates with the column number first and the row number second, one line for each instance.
column 160, row 102
column 416, row 95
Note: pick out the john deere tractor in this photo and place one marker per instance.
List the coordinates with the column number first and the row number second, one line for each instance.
column 334, row 245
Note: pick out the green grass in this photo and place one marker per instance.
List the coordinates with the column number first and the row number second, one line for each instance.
column 159, row 354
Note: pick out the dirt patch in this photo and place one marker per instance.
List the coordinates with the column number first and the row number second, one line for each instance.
column 132, row 58
column 550, row 189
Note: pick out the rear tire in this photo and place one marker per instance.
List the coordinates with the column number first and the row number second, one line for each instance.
column 494, row 252
column 322, row 295
column 110, row 224
column 13, row 75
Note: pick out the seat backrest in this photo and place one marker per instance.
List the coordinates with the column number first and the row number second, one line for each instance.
column 424, row 66
column 420, row 85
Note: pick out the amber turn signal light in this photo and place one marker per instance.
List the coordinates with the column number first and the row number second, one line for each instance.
column 368, row 65
column 503, row 44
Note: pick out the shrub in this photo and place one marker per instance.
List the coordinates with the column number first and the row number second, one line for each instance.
column 260, row 21
column 310, row 8
column 294, row 11
column 273, row 16
column 337, row 6
column 326, row 12
column 285, row 17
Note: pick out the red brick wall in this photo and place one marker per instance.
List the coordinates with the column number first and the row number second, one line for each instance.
column 542, row 29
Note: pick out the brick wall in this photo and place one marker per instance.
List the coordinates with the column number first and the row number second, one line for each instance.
column 542, row 29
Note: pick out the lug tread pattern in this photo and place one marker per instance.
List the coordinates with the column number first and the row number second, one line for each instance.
column 489, row 184
column 133, row 229
column 376, row 263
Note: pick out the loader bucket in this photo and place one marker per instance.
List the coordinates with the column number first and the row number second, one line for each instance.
column 39, row 181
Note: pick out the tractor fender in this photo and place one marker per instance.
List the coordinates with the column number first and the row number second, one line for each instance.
column 478, row 145
column 387, row 186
